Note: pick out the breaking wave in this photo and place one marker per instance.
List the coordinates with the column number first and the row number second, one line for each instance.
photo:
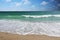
column 26, row 27
column 39, row 16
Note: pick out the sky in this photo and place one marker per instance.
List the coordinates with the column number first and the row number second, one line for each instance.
column 29, row 5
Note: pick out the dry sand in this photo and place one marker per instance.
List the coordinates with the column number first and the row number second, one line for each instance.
column 8, row 36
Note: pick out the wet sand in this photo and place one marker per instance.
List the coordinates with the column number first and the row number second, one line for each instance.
column 8, row 36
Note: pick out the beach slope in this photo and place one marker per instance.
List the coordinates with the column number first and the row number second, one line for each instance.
column 8, row 36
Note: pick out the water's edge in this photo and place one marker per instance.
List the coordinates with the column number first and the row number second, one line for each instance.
column 27, row 27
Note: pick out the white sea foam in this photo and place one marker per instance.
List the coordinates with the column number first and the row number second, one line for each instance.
column 39, row 16
column 26, row 27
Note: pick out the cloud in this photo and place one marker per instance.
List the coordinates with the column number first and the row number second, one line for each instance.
column 26, row 2
column 8, row 0
column 18, row 4
column 44, row 3
column 23, row 5
column 23, row 2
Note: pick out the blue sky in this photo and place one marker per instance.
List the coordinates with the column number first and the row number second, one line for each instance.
column 29, row 5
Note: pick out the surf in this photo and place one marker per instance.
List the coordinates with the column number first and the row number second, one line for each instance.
column 27, row 27
column 40, row 16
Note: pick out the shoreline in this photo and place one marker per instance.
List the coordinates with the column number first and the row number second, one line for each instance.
column 25, row 27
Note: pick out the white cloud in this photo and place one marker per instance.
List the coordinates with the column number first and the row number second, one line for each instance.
column 26, row 2
column 8, row 0
column 18, row 4
column 44, row 3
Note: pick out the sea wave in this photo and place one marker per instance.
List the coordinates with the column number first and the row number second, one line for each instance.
column 39, row 16
column 27, row 27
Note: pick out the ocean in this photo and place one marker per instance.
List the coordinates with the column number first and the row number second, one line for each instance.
column 31, row 15
column 30, row 22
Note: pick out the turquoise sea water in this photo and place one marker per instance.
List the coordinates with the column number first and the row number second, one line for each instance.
column 31, row 15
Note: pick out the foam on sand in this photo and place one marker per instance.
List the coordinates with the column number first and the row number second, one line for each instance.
column 26, row 27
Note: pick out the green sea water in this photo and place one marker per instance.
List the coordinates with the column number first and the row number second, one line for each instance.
column 32, row 15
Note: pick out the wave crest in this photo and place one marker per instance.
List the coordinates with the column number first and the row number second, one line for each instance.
column 39, row 16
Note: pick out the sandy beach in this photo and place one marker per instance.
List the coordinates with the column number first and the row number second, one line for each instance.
column 8, row 36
